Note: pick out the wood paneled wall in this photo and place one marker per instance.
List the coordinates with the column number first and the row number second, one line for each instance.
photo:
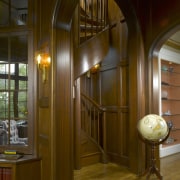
column 110, row 88
column 52, row 23
column 55, row 121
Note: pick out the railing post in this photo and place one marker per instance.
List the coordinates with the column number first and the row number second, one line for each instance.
column 77, row 126
column 105, row 159
column 96, row 124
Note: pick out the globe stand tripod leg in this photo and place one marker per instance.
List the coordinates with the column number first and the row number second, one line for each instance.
column 153, row 169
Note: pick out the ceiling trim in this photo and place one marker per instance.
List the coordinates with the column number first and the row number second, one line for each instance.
column 173, row 44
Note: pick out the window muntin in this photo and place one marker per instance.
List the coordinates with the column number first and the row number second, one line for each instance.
column 16, row 74
column 14, row 90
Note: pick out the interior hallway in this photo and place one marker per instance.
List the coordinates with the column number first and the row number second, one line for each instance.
column 170, row 169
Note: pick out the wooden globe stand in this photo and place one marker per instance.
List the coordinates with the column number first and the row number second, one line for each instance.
column 153, row 169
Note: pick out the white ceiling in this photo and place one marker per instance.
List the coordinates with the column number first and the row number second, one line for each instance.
column 171, row 49
column 173, row 42
column 176, row 38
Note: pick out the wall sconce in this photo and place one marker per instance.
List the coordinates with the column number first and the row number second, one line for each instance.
column 43, row 62
column 93, row 70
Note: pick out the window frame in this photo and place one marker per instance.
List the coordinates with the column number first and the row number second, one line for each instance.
column 26, row 149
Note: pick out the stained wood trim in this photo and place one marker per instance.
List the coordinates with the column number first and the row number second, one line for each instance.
column 65, row 10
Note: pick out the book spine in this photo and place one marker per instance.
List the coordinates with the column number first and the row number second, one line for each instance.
column 5, row 173
column 10, row 152
column 8, row 173
column 1, row 173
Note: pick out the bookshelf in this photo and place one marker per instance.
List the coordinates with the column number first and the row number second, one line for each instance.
column 26, row 168
column 170, row 103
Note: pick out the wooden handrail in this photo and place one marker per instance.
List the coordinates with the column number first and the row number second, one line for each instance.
column 104, row 108
column 94, row 102
column 93, row 123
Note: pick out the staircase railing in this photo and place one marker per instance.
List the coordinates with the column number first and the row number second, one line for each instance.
column 93, row 123
column 92, row 18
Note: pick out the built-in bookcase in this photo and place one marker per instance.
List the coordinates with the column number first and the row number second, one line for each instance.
column 6, row 173
column 170, row 103
column 26, row 168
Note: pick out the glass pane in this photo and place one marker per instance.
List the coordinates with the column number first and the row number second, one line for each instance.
column 3, row 85
column 23, row 85
column 18, row 132
column 22, row 105
column 12, row 84
column 19, row 49
column 11, row 69
column 4, row 13
column 12, row 106
column 22, row 127
column 19, row 12
column 3, row 50
column 4, row 105
column 4, row 68
column 13, row 90
column 22, row 69
column 3, row 132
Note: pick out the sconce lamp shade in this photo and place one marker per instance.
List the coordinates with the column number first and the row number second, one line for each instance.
column 43, row 61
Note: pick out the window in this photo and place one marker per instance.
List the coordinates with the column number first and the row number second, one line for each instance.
column 15, row 98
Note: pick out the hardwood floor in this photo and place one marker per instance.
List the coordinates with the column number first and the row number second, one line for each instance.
column 170, row 169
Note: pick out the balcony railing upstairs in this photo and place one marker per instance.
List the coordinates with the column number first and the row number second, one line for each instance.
column 92, row 18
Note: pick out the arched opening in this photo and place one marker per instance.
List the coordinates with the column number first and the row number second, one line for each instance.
column 63, row 77
column 165, row 89
column 154, row 68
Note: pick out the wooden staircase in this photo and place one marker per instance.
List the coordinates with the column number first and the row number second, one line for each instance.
column 93, row 145
column 90, row 124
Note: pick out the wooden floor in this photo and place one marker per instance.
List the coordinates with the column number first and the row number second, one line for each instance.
column 170, row 169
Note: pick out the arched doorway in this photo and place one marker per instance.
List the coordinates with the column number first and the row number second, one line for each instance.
column 154, row 67
column 63, row 85
column 162, row 53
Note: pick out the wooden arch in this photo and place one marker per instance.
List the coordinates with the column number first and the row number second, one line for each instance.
column 63, row 85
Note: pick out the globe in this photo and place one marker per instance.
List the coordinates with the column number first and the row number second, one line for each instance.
column 153, row 127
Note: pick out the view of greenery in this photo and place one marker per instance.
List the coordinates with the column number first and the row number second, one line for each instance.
column 13, row 78
column 13, row 98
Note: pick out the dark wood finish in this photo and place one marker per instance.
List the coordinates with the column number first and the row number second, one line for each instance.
column 147, row 25
column 64, row 13
column 25, row 168
column 169, row 170
column 89, row 53
column 42, row 24
column 63, row 107
column 116, row 102
column 141, row 95
column 77, row 125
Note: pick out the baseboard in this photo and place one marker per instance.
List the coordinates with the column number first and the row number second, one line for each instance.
column 91, row 158
column 169, row 150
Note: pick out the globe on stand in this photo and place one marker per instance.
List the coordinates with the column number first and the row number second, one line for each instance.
column 153, row 130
